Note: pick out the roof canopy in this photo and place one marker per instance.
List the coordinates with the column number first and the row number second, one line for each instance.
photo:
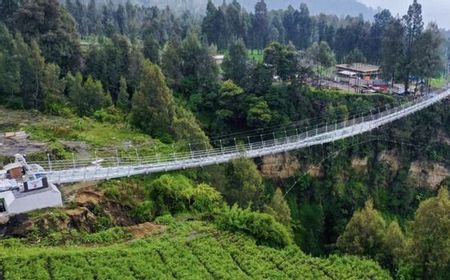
column 12, row 166
column 359, row 68
column 348, row 73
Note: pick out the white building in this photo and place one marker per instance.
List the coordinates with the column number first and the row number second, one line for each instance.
column 219, row 59
column 23, row 190
column 16, row 201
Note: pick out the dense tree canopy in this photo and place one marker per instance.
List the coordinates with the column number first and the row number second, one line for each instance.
column 245, row 184
column 364, row 233
column 236, row 63
column 87, row 96
column 153, row 105
column 53, row 29
column 430, row 246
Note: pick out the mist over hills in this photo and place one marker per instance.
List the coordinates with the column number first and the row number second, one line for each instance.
column 336, row 7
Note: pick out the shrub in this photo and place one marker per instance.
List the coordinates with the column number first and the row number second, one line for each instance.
column 170, row 194
column 174, row 194
column 165, row 220
column 205, row 198
column 143, row 211
column 104, row 237
column 263, row 227
column 109, row 115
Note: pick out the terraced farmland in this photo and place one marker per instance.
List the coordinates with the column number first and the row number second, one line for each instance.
column 186, row 251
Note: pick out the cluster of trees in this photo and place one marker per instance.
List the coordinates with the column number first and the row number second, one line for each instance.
column 247, row 99
column 125, row 18
column 409, row 51
column 401, row 45
column 424, row 253
column 45, row 22
column 26, row 80
column 42, row 68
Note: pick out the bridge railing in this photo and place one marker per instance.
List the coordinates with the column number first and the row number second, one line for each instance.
column 292, row 139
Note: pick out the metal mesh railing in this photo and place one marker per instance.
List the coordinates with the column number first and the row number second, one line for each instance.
column 69, row 171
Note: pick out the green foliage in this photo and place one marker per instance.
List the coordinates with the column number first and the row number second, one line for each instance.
column 52, row 28
column 216, row 259
column 175, row 194
column 170, row 63
column 9, row 68
column 185, row 251
column 55, row 102
column 231, row 106
column 151, row 49
column 429, row 56
column 27, row 81
column 322, row 57
column 153, row 105
column 86, row 96
column 235, row 63
column 123, row 100
column 282, row 59
column 155, row 112
column 115, row 58
column 394, row 246
column 109, row 115
column 311, row 232
column 189, row 67
column 187, row 128
column 74, row 237
column 143, row 211
column 31, row 71
column 279, row 208
column 355, row 56
column 430, row 246
column 166, row 219
column 364, row 233
column 259, row 113
column 262, row 226
column 245, row 185
column 392, row 49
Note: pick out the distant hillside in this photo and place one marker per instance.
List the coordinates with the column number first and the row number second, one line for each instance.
column 336, row 7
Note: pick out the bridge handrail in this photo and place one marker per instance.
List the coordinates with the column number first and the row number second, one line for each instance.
column 114, row 167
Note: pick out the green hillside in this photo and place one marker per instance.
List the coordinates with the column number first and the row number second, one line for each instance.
column 191, row 250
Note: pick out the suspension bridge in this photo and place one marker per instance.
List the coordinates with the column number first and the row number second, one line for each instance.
column 61, row 172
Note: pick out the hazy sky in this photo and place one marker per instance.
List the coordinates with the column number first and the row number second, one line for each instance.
column 433, row 10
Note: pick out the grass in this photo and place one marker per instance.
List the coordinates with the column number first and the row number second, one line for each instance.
column 103, row 137
column 256, row 55
column 187, row 250
column 440, row 82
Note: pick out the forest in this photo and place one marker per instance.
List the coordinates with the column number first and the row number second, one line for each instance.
column 152, row 73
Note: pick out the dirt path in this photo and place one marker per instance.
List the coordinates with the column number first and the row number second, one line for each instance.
column 19, row 143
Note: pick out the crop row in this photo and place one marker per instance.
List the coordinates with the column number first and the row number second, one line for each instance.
column 33, row 268
column 182, row 263
column 295, row 264
column 217, row 260
column 100, row 265
column 190, row 255
column 251, row 259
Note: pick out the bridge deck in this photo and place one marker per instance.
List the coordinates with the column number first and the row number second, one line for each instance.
column 111, row 168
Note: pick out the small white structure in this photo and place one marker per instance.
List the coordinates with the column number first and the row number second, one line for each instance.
column 398, row 89
column 219, row 59
column 23, row 189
